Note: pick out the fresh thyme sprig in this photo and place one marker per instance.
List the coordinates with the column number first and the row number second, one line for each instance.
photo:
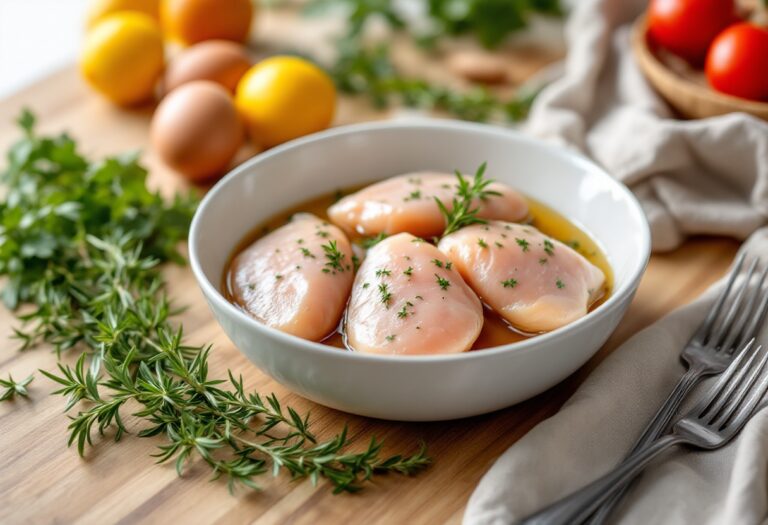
column 13, row 388
column 82, row 244
column 464, row 210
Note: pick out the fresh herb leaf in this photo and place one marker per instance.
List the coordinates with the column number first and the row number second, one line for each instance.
column 370, row 242
column 13, row 388
column 462, row 212
column 509, row 283
column 442, row 282
column 335, row 258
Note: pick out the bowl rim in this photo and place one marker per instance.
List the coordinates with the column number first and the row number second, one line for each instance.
column 617, row 297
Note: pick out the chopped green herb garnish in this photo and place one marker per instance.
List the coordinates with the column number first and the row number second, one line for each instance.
column 408, row 271
column 383, row 272
column 482, row 243
column 366, row 285
column 299, row 241
column 543, row 260
column 559, row 283
column 307, row 253
column 334, row 256
column 498, row 244
column 442, row 282
column 403, row 313
column 278, row 276
column 390, row 338
column 413, row 196
column 355, row 262
column 437, row 262
column 576, row 245
column 448, row 265
column 549, row 247
column 386, row 295
column 522, row 243
column 509, row 283
column 322, row 233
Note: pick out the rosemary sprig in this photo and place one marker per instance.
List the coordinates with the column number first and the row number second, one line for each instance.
column 82, row 243
column 13, row 388
column 462, row 213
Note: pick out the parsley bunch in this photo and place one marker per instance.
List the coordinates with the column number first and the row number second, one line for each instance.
column 81, row 243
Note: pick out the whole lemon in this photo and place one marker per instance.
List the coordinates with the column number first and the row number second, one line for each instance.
column 98, row 9
column 284, row 97
column 192, row 21
column 123, row 57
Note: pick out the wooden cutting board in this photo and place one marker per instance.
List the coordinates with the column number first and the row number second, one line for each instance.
column 42, row 481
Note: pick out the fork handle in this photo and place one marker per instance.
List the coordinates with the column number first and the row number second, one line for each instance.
column 579, row 505
column 655, row 428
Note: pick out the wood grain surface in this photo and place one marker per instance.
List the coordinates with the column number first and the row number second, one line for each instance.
column 42, row 481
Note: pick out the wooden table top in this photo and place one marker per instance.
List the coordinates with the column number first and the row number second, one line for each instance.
column 42, row 481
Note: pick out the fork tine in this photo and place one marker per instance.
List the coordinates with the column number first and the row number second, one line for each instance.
column 759, row 316
column 702, row 407
column 715, row 340
column 734, row 402
column 738, row 334
column 743, row 415
column 714, row 311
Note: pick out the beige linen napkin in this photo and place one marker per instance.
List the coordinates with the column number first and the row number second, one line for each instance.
column 599, row 424
column 692, row 177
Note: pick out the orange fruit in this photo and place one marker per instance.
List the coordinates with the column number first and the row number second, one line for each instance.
column 284, row 97
column 192, row 21
column 123, row 57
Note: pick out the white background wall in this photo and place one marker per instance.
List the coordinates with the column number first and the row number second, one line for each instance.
column 37, row 37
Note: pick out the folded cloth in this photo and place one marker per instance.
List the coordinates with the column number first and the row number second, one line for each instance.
column 596, row 428
column 692, row 177
column 706, row 176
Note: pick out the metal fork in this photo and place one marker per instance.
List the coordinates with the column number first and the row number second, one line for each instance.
column 708, row 352
column 712, row 423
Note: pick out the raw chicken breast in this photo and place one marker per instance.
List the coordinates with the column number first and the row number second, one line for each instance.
column 536, row 283
column 408, row 299
column 406, row 204
column 297, row 278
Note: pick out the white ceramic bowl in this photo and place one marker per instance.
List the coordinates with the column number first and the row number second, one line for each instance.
column 419, row 388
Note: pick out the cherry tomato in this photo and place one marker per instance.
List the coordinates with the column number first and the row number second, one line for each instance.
column 688, row 27
column 737, row 63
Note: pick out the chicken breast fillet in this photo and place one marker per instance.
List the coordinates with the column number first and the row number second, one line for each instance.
column 297, row 278
column 407, row 204
column 408, row 299
column 535, row 282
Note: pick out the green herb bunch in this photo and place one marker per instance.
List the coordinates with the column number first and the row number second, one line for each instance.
column 82, row 244
column 366, row 68
column 490, row 21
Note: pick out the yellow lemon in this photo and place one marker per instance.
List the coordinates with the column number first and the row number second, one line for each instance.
column 283, row 97
column 99, row 9
column 123, row 57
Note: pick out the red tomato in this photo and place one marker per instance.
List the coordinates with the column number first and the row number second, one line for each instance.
column 737, row 62
column 688, row 27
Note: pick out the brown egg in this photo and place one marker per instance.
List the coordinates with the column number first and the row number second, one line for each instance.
column 196, row 130
column 220, row 61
